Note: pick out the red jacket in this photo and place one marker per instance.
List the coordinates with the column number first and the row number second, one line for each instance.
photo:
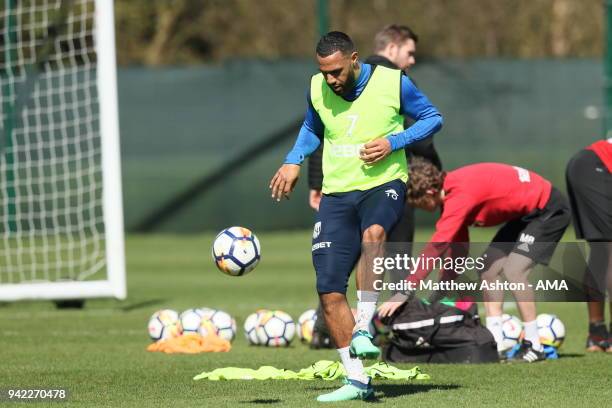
column 603, row 149
column 483, row 195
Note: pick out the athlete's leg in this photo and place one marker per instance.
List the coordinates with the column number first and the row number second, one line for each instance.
column 493, row 298
column 335, row 250
column 597, row 280
column 536, row 244
column 589, row 186
column 496, row 257
column 516, row 269
column 373, row 247
column 379, row 210
column 338, row 317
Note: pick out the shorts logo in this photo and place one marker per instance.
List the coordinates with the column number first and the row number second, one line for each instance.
column 525, row 240
column 392, row 193
column 320, row 245
column 317, row 230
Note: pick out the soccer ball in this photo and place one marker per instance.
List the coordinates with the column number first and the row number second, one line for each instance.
column 512, row 331
column 550, row 329
column 276, row 329
column 236, row 251
column 191, row 320
column 164, row 324
column 250, row 326
column 224, row 324
column 305, row 327
column 206, row 328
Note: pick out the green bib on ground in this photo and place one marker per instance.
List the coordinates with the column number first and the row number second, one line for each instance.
column 323, row 369
column 349, row 125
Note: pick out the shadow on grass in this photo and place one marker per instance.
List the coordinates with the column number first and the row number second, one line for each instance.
column 141, row 305
column 570, row 355
column 261, row 401
column 398, row 390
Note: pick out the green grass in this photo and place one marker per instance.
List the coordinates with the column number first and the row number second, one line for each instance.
column 98, row 353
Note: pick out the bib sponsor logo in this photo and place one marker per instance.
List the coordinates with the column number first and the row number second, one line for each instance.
column 346, row 150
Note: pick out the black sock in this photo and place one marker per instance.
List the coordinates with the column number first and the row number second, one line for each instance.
column 598, row 329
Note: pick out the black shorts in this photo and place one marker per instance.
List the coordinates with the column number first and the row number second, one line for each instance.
column 589, row 186
column 536, row 234
column 340, row 222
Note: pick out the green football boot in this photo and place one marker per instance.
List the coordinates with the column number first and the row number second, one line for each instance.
column 351, row 390
column 362, row 346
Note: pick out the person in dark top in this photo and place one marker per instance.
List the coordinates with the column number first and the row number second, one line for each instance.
column 394, row 47
column 589, row 185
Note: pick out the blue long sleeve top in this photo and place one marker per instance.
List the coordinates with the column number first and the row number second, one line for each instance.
column 412, row 103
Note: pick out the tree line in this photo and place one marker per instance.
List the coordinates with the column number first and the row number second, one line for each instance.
column 161, row 32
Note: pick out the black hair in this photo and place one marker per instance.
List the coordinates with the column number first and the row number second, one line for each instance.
column 335, row 41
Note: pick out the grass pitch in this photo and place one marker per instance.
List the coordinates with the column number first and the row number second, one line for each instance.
column 98, row 353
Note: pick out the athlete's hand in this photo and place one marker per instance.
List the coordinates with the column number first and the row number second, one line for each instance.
column 391, row 305
column 314, row 199
column 283, row 182
column 375, row 150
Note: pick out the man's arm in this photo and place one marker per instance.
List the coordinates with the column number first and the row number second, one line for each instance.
column 416, row 105
column 450, row 228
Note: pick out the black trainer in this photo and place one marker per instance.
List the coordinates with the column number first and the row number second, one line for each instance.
column 527, row 354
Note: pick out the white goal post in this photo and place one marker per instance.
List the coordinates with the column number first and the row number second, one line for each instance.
column 61, row 215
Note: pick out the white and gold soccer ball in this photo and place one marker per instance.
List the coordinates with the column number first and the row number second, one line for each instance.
column 191, row 320
column 223, row 323
column 550, row 329
column 512, row 331
column 236, row 251
column 305, row 326
column 164, row 324
column 251, row 324
column 276, row 329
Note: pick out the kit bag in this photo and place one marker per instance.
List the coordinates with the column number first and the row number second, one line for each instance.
column 438, row 332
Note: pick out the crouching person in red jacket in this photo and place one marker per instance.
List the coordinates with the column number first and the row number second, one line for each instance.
column 535, row 216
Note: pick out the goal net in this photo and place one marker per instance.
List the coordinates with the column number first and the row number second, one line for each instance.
column 61, row 220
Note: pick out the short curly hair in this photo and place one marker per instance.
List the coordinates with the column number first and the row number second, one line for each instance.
column 335, row 41
column 423, row 176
